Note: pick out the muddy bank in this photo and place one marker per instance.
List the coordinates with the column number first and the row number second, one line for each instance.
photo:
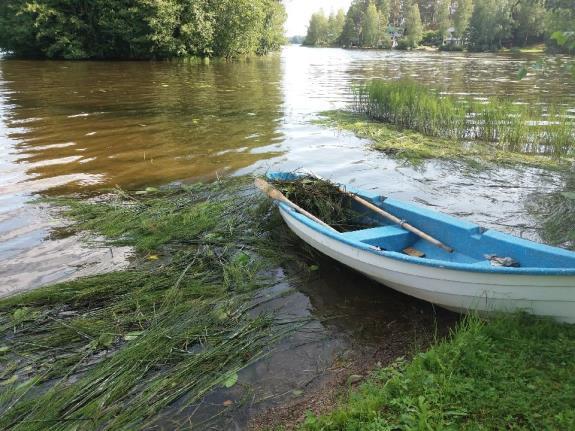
column 378, row 326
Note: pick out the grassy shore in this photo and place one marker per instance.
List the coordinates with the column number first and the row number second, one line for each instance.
column 415, row 147
column 510, row 373
column 112, row 351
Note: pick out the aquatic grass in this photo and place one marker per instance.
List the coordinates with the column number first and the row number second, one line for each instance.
column 114, row 350
column 513, row 127
column 556, row 213
column 412, row 106
column 147, row 223
column 414, row 147
column 513, row 372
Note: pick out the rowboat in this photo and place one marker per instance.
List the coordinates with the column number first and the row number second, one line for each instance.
column 469, row 275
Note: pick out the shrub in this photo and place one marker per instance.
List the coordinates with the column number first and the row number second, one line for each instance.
column 432, row 38
column 403, row 44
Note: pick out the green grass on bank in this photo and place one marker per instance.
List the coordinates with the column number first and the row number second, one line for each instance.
column 414, row 147
column 507, row 126
column 510, row 373
column 113, row 351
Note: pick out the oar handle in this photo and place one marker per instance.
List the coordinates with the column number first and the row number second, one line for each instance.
column 275, row 194
column 400, row 222
column 391, row 217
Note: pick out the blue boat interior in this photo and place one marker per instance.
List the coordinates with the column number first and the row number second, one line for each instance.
column 472, row 244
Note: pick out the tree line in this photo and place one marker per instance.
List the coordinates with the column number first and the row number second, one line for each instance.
column 140, row 29
column 478, row 25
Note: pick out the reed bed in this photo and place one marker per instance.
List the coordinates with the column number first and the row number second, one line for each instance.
column 530, row 129
column 113, row 351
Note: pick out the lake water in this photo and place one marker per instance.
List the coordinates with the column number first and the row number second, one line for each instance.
column 89, row 126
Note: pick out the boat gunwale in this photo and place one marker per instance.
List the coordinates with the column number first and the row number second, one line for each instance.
column 464, row 267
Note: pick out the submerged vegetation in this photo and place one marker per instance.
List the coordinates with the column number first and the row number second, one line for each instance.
column 556, row 211
column 510, row 373
column 140, row 29
column 112, row 351
column 414, row 147
column 133, row 348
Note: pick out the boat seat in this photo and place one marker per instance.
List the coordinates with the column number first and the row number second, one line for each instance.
column 391, row 237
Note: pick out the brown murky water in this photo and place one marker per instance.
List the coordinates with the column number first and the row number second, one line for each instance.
column 87, row 126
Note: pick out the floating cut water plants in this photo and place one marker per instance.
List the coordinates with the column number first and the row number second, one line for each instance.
column 113, row 351
column 511, row 126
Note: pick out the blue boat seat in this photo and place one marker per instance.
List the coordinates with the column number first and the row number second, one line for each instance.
column 390, row 237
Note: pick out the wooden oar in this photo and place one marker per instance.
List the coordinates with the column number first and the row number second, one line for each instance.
column 391, row 217
column 275, row 194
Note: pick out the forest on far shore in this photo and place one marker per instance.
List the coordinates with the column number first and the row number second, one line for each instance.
column 476, row 25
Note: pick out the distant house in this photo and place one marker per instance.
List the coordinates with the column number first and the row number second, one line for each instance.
column 395, row 33
column 451, row 39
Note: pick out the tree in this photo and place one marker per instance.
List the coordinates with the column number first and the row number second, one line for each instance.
column 140, row 29
column 413, row 26
column 427, row 11
column 318, row 30
column 561, row 25
column 529, row 20
column 352, row 30
column 272, row 34
column 335, row 26
column 395, row 12
column 383, row 9
column 461, row 17
column 490, row 24
column 443, row 18
column 371, row 27
column 384, row 37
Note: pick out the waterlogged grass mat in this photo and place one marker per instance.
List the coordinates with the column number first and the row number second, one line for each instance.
column 510, row 373
column 114, row 350
column 414, row 147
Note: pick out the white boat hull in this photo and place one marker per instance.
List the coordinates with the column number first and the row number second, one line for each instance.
column 544, row 295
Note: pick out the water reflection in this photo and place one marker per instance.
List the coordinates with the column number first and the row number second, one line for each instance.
column 78, row 126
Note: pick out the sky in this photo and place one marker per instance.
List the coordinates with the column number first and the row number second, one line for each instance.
column 300, row 11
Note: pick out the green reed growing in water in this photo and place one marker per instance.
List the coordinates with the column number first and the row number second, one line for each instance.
column 511, row 126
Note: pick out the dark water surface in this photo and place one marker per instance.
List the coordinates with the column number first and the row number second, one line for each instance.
column 87, row 126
